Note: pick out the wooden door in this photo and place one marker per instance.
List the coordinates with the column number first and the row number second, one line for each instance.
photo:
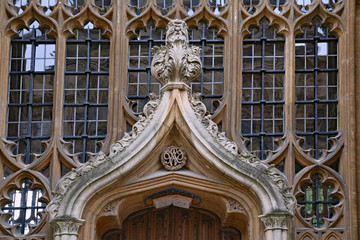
column 173, row 223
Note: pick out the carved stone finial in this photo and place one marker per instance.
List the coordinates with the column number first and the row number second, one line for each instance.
column 176, row 64
column 173, row 158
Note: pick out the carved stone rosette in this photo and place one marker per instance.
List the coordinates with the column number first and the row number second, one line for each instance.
column 176, row 63
column 173, row 158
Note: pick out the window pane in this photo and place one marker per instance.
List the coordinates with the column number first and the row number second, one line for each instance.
column 86, row 91
column 263, row 91
column 316, row 91
column 30, row 91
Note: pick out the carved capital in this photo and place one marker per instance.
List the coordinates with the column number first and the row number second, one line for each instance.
column 276, row 221
column 176, row 63
column 66, row 226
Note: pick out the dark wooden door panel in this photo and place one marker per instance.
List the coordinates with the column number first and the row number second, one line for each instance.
column 173, row 223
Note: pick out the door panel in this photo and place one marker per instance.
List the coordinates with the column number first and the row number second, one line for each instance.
column 173, row 223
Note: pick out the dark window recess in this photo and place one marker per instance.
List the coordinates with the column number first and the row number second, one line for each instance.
column 278, row 5
column 262, row 110
column 216, row 5
column 30, row 91
column 329, row 4
column 164, row 5
column 137, row 5
column 250, row 4
column 76, row 4
column 316, row 88
column 317, row 201
column 24, row 207
column 210, row 83
column 191, row 4
column 86, row 91
column 102, row 4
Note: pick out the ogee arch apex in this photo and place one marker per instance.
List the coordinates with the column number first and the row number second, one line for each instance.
column 174, row 65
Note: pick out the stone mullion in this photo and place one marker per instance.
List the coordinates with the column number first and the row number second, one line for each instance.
column 237, row 67
column 348, row 51
column 354, row 22
column 4, row 76
column 230, row 120
column 120, row 45
column 58, row 105
column 289, row 107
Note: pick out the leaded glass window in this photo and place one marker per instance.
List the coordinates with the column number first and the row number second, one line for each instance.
column 316, row 80
column 262, row 114
column 24, row 207
column 86, row 91
column 30, row 92
column 210, row 82
column 318, row 200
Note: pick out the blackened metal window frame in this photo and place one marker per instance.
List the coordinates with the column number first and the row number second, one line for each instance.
column 316, row 70
column 202, row 42
column 262, row 41
column 88, row 41
column 32, row 72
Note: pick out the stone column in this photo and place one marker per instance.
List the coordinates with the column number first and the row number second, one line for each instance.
column 276, row 226
column 66, row 228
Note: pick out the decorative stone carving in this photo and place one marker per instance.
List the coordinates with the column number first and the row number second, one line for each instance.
column 176, row 62
column 66, row 227
column 280, row 181
column 200, row 112
column 272, row 180
column 173, row 158
column 276, row 221
column 278, row 177
column 110, row 209
column 139, row 126
column 235, row 206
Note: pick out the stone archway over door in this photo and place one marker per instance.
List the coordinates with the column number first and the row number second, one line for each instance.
column 176, row 223
column 131, row 167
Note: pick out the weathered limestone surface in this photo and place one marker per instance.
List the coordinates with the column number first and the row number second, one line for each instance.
column 175, row 66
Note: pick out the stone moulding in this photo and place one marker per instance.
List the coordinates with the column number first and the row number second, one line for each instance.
column 265, row 181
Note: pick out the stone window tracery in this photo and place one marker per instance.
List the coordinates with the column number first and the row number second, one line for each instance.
column 309, row 107
column 23, row 207
column 319, row 199
column 44, row 149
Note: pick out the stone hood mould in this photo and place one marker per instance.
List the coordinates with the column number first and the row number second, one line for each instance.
column 175, row 65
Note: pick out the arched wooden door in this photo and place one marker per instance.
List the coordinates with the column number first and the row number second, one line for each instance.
column 174, row 223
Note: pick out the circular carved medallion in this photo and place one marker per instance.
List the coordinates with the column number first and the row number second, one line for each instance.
column 173, row 158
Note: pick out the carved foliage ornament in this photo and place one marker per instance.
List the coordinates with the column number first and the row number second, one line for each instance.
column 176, row 62
column 173, row 158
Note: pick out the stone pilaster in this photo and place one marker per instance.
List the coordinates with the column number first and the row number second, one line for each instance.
column 276, row 226
column 66, row 228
